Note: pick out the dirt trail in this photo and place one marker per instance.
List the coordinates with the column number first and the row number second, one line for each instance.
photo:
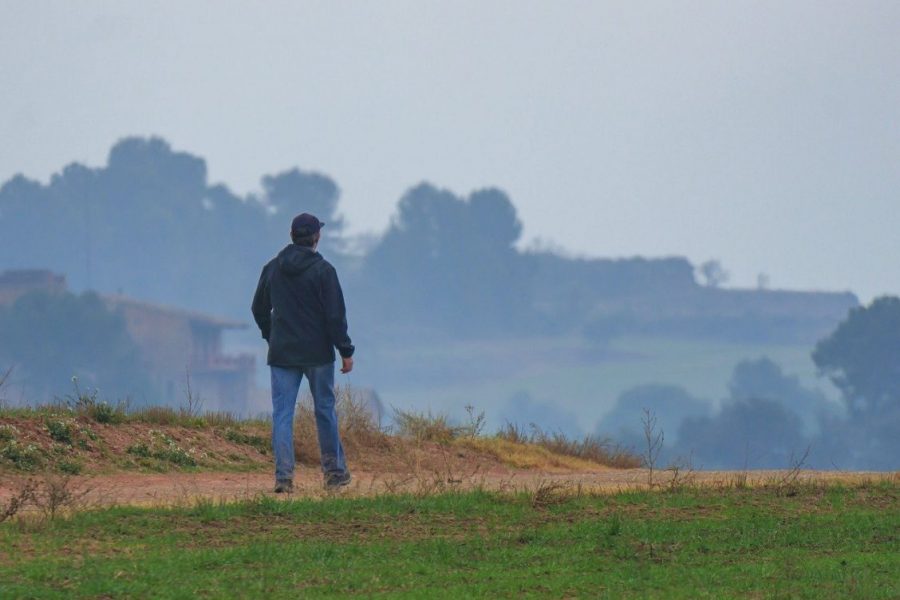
column 186, row 488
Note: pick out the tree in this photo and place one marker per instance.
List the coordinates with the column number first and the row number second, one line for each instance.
column 764, row 378
column 713, row 273
column 293, row 192
column 452, row 261
column 756, row 433
column 862, row 357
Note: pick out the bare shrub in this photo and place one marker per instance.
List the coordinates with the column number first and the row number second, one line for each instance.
column 475, row 425
column 358, row 425
column 654, row 443
column 682, row 473
column 4, row 377
column 306, row 445
column 513, row 432
column 786, row 484
column 57, row 494
column 23, row 496
column 549, row 493
column 193, row 403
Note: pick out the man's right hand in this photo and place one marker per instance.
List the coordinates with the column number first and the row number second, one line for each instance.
column 347, row 365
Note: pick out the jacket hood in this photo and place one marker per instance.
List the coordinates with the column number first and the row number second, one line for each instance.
column 294, row 259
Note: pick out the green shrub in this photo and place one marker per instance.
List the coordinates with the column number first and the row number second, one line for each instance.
column 60, row 431
column 24, row 458
column 141, row 449
column 162, row 448
column 68, row 467
column 103, row 412
column 8, row 433
column 260, row 443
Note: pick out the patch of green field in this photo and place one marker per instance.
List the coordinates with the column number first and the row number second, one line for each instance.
column 569, row 374
column 815, row 543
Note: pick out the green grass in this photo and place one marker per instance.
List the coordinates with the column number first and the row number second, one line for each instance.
column 815, row 543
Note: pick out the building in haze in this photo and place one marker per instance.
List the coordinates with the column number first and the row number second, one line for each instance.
column 174, row 344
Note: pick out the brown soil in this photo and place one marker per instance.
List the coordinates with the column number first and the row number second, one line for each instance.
column 178, row 489
column 231, row 470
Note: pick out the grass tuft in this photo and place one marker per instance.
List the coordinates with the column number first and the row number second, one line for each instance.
column 591, row 448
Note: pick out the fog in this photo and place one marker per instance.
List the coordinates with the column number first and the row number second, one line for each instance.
column 764, row 134
column 126, row 276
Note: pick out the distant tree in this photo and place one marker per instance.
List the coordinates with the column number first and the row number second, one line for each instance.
column 451, row 261
column 862, row 357
column 754, row 433
column 293, row 192
column 713, row 273
column 669, row 403
column 51, row 338
column 149, row 225
column 764, row 378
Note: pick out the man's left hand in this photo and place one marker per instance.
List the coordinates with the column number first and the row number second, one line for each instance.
column 347, row 365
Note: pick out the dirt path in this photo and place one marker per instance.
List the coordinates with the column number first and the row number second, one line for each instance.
column 186, row 488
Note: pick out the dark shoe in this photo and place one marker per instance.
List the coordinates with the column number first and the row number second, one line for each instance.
column 284, row 486
column 334, row 481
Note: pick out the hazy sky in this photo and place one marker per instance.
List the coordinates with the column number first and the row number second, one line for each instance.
column 765, row 134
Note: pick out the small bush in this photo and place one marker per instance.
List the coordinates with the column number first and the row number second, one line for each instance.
column 69, row 467
column 513, row 432
column 23, row 495
column 359, row 428
column 141, row 449
column 106, row 413
column 60, row 431
column 8, row 433
column 22, row 457
column 162, row 448
column 426, row 427
column 260, row 443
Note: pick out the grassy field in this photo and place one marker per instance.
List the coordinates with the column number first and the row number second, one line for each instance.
column 798, row 542
column 570, row 376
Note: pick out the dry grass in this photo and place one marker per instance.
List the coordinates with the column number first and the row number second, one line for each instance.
column 526, row 456
column 427, row 448
column 589, row 448
column 360, row 431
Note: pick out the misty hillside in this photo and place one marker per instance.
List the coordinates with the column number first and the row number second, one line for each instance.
column 445, row 306
column 150, row 225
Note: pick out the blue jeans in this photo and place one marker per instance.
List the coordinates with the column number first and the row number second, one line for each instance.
column 285, row 386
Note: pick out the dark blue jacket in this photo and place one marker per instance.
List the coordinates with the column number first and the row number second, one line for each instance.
column 299, row 307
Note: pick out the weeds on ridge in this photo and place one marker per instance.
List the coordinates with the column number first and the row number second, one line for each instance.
column 591, row 447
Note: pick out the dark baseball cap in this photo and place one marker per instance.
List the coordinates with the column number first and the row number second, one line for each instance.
column 305, row 224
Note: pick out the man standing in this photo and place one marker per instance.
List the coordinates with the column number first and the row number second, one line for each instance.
column 300, row 310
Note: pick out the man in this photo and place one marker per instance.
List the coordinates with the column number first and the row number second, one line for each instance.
column 300, row 310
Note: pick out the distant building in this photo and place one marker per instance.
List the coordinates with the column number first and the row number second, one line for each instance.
column 179, row 344
column 175, row 344
column 14, row 284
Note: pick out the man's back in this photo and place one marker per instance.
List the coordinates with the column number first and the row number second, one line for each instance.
column 299, row 307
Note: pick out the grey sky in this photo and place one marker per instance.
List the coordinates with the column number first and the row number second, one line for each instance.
column 765, row 134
